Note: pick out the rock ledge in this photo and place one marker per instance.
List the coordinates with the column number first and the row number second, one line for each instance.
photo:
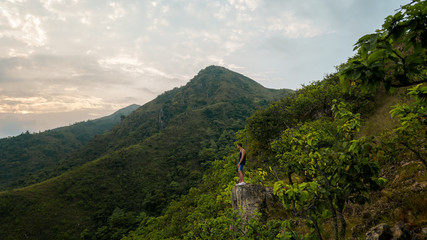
column 250, row 198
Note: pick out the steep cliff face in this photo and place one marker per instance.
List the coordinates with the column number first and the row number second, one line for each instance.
column 251, row 198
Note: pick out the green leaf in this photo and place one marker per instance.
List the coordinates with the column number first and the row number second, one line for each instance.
column 382, row 181
column 397, row 32
column 376, row 56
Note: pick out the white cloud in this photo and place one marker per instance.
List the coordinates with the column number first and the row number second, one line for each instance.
column 157, row 23
column 12, row 16
column 58, row 8
column 85, row 17
column 123, row 60
column 165, row 9
column 221, row 11
column 16, row 1
column 123, row 63
column 244, row 5
column 118, row 11
column 32, row 32
column 51, row 104
column 49, row 4
column 23, row 27
column 18, row 53
column 133, row 65
column 192, row 10
column 232, row 46
column 215, row 60
column 293, row 27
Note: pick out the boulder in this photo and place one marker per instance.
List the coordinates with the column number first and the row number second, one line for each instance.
column 379, row 232
column 383, row 232
column 419, row 187
column 400, row 232
column 251, row 198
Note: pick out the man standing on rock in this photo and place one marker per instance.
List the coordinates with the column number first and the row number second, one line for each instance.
column 241, row 163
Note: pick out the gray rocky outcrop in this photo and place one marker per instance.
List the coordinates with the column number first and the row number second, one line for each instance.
column 383, row 232
column 251, row 198
column 379, row 232
column 400, row 232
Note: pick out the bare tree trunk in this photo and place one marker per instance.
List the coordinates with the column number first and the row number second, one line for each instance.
column 342, row 219
column 316, row 227
column 343, row 225
column 334, row 218
column 290, row 178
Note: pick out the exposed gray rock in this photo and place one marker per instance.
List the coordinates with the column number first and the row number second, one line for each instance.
column 383, row 232
column 250, row 198
column 379, row 232
column 400, row 232
column 419, row 187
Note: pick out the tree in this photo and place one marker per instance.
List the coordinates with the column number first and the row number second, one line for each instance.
column 330, row 167
column 395, row 55
column 411, row 134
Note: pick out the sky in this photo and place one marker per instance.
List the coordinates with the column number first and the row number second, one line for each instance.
column 66, row 61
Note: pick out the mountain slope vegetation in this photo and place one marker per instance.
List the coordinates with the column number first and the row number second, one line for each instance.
column 150, row 158
column 31, row 158
column 166, row 171
column 343, row 154
column 209, row 91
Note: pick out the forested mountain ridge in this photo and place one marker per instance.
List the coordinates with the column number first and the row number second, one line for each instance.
column 150, row 158
column 214, row 89
column 345, row 156
column 212, row 85
column 217, row 89
column 33, row 157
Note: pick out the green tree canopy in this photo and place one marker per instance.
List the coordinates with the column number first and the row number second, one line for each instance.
column 394, row 55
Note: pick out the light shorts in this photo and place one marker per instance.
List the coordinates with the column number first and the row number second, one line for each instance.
column 241, row 167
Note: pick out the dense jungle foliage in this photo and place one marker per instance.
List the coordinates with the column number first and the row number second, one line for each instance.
column 31, row 158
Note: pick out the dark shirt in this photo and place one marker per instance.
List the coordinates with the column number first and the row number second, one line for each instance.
column 244, row 158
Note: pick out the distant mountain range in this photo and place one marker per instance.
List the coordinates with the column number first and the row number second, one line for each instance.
column 30, row 158
column 148, row 159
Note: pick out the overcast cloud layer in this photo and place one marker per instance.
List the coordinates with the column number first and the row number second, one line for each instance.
column 63, row 61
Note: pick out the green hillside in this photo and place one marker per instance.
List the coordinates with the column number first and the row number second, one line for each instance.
column 225, row 96
column 30, row 158
column 206, row 213
column 343, row 154
column 150, row 158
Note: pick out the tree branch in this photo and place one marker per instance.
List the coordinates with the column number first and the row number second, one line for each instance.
column 399, row 85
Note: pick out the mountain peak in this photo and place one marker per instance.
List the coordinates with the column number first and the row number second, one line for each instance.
column 217, row 75
column 217, row 70
column 221, row 83
column 213, row 68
